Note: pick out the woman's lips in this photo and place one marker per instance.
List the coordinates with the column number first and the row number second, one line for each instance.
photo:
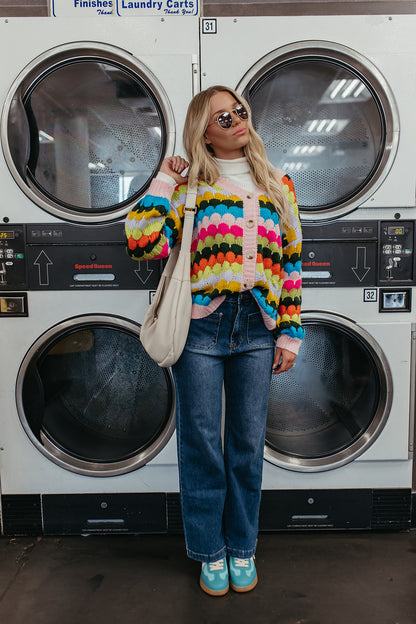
column 240, row 131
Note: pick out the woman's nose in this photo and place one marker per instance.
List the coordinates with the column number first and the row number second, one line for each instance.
column 236, row 118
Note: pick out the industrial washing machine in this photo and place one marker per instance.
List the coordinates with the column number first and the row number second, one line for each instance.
column 89, row 109
column 332, row 100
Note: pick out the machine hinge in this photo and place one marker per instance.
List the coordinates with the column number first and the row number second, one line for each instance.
column 195, row 75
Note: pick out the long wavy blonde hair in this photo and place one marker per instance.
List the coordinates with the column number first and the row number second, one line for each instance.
column 201, row 157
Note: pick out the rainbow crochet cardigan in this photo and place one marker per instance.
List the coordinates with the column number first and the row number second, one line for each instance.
column 237, row 245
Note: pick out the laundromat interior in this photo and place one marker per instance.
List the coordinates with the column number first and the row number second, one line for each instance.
column 93, row 96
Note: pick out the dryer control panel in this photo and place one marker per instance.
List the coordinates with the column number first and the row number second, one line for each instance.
column 64, row 256
column 396, row 251
column 12, row 257
column 359, row 253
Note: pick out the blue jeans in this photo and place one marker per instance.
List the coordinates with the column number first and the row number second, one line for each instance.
column 221, row 486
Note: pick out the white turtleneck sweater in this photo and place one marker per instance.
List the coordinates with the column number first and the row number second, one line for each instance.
column 236, row 171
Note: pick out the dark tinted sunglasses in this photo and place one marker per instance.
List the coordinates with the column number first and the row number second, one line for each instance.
column 225, row 120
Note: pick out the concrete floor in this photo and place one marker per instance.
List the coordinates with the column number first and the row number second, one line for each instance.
column 304, row 578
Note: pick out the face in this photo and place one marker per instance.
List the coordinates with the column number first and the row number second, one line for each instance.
column 227, row 143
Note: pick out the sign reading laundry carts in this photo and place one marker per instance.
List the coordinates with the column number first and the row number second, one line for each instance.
column 157, row 7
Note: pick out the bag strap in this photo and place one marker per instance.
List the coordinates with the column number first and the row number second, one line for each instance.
column 191, row 198
column 188, row 225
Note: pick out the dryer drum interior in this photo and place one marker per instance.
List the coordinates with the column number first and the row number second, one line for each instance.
column 85, row 130
column 92, row 400
column 328, row 119
column 333, row 405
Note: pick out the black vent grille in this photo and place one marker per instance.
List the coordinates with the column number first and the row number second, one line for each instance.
column 175, row 523
column 92, row 514
column 391, row 509
column 22, row 514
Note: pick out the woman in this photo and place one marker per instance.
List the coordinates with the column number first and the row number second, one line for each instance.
column 245, row 275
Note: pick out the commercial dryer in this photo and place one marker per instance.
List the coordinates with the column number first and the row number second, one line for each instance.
column 90, row 107
column 332, row 99
column 339, row 442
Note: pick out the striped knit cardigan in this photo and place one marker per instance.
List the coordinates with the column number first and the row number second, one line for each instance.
column 237, row 246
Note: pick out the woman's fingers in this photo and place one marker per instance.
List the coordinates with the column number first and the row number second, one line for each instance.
column 174, row 166
column 179, row 164
column 284, row 360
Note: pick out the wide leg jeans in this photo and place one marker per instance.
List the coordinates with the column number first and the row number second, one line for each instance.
column 220, row 476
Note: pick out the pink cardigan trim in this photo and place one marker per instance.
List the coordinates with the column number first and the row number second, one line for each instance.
column 161, row 188
column 199, row 311
column 291, row 344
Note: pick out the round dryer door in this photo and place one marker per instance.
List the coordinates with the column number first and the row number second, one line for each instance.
column 84, row 129
column 333, row 405
column 328, row 119
column 92, row 400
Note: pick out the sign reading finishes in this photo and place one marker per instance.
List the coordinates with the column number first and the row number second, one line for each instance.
column 122, row 8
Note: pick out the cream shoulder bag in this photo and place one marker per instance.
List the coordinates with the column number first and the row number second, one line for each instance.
column 166, row 323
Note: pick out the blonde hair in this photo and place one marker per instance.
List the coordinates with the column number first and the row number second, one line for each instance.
column 202, row 159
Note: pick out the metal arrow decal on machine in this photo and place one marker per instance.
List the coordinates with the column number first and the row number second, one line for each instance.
column 143, row 272
column 360, row 269
column 43, row 262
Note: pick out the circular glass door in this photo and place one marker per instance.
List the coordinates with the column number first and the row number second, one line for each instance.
column 92, row 400
column 332, row 406
column 328, row 119
column 84, row 129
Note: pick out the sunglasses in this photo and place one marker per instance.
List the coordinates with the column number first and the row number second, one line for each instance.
column 225, row 120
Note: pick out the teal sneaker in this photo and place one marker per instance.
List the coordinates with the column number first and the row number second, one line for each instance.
column 214, row 577
column 243, row 574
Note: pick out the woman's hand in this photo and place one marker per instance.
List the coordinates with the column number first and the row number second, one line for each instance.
column 174, row 166
column 284, row 360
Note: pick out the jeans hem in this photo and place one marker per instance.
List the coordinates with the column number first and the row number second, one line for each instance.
column 224, row 552
column 207, row 558
column 241, row 554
